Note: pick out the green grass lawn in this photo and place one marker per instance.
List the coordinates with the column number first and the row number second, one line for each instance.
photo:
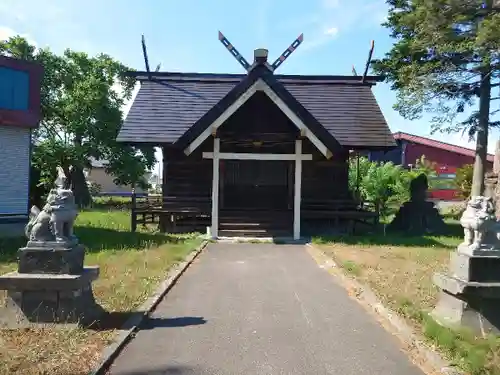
column 132, row 265
column 399, row 269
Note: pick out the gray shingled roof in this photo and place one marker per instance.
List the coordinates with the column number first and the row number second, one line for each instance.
column 165, row 108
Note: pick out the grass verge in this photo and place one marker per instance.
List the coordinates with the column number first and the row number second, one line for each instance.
column 132, row 266
column 399, row 270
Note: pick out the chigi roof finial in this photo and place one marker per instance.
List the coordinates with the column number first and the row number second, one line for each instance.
column 260, row 54
column 146, row 59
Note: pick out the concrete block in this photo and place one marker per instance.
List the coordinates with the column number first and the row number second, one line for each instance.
column 476, row 313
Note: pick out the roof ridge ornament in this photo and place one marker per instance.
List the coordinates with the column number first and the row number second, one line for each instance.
column 234, row 52
column 146, row 60
column 260, row 54
column 367, row 66
column 295, row 44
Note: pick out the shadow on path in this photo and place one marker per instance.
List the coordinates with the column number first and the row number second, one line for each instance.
column 449, row 238
column 185, row 321
column 120, row 320
column 169, row 370
column 96, row 239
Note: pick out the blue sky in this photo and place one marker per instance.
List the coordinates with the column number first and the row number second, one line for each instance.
column 182, row 35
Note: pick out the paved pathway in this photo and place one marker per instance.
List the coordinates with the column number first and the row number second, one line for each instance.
column 260, row 309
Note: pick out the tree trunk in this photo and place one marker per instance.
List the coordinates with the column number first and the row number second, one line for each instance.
column 67, row 172
column 78, row 181
column 37, row 191
column 480, row 161
column 80, row 188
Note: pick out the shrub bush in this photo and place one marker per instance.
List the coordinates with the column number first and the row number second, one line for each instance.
column 384, row 183
column 463, row 180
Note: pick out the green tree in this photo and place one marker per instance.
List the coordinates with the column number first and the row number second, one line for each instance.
column 379, row 183
column 358, row 168
column 463, row 180
column 402, row 184
column 446, row 61
column 82, row 99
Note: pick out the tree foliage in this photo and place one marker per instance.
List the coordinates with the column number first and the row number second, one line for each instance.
column 463, row 180
column 446, row 61
column 385, row 184
column 378, row 182
column 82, row 99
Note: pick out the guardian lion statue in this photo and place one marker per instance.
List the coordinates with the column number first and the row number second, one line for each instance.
column 479, row 222
column 55, row 221
column 39, row 225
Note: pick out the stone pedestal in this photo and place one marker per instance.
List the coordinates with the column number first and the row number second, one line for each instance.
column 50, row 286
column 51, row 257
column 470, row 292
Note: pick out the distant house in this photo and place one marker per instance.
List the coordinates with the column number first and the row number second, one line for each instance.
column 19, row 114
column 447, row 157
column 98, row 176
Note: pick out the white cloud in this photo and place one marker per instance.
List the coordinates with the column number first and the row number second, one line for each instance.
column 334, row 17
column 332, row 31
column 319, row 38
column 7, row 32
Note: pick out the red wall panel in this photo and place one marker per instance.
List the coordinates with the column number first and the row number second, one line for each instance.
column 443, row 158
column 446, row 162
column 30, row 117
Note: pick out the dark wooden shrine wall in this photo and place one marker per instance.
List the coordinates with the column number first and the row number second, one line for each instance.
column 256, row 127
column 191, row 176
column 325, row 179
column 186, row 176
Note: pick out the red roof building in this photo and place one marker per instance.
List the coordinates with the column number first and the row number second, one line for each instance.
column 447, row 157
column 411, row 147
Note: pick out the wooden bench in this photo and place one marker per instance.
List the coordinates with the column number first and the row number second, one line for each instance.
column 168, row 211
column 341, row 209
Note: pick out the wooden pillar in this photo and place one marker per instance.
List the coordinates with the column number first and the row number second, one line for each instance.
column 164, row 220
column 298, row 187
column 133, row 213
column 164, row 178
column 214, row 230
column 358, row 195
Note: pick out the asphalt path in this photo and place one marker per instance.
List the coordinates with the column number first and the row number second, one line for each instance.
column 260, row 309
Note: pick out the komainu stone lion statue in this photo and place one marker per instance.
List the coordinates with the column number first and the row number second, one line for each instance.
column 55, row 221
column 479, row 222
column 39, row 226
